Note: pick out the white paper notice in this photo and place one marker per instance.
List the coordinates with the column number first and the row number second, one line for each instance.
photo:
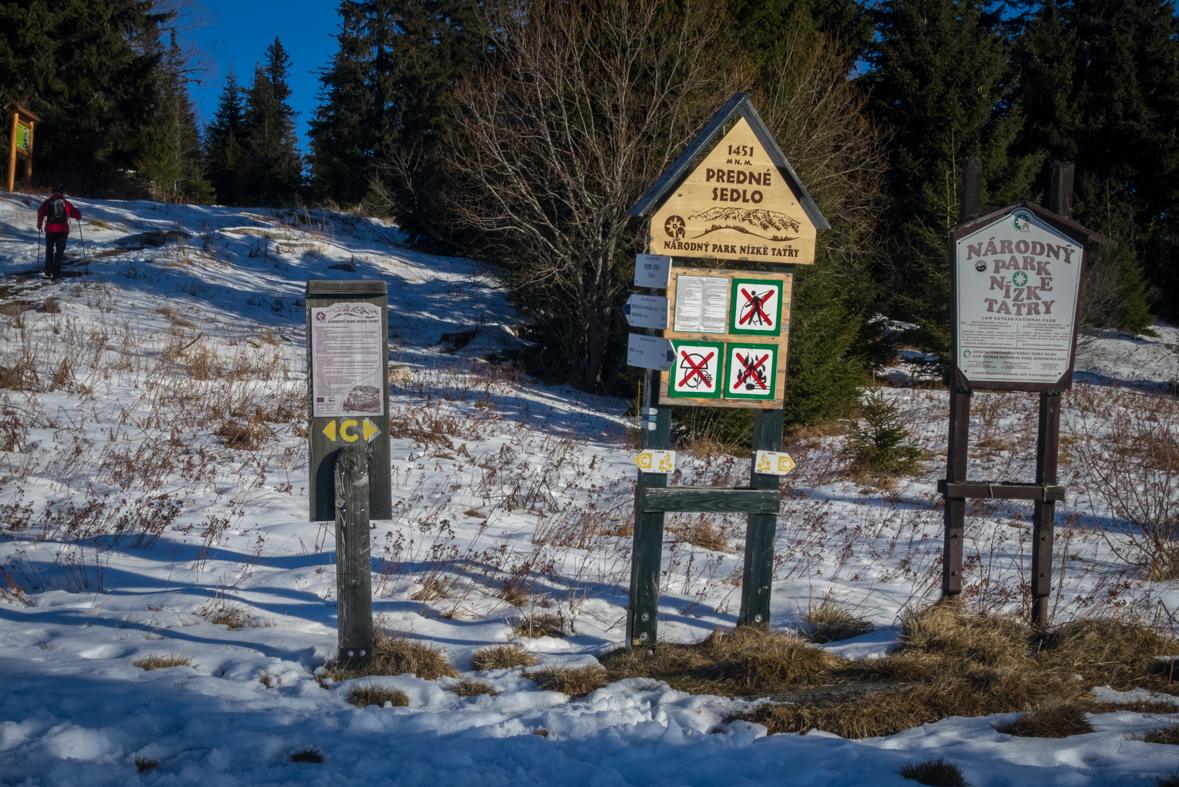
column 346, row 359
column 701, row 304
column 1017, row 297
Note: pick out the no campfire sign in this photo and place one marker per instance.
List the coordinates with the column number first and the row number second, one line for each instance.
column 752, row 371
column 697, row 370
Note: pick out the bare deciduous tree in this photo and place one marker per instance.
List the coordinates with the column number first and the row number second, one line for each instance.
column 583, row 106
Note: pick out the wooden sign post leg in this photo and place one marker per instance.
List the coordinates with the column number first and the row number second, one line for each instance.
column 758, row 575
column 12, row 151
column 1044, row 511
column 955, row 507
column 642, row 613
column 354, row 598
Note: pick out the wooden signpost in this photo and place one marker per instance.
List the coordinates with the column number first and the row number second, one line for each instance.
column 20, row 141
column 1015, row 281
column 348, row 431
column 724, row 340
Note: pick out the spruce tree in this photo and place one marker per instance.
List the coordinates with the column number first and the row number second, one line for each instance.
column 91, row 72
column 940, row 87
column 222, row 142
column 171, row 158
column 271, row 171
column 341, row 158
column 1099, row 81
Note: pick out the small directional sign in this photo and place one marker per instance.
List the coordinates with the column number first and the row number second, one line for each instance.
column 773, row 463
column 649, row 352
column 652, row 270
column 347, row 430
column 646, row 311
column 651, row 461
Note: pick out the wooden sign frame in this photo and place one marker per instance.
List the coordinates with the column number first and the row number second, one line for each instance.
column 781, row 340
column 21, row 118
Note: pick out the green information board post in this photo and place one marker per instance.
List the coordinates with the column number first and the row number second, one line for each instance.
column 348, row 433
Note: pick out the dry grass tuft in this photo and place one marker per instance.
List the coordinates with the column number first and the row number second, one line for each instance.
column 704, row 534
column 432, row 589
column 574, row 681
column 950, row 663
column 397, row 655
column 934, row 773
column 502, row 657
column 540, row 624
column 269, row 679
column 143, row 764
column 311, row 754
column 1054, row 720
column 473, row 688
column 831, row 621
column 945, row 630
column 363, row 696
column 512, row 594
column 744, row 662
column 1168, row 735
column 156, row 661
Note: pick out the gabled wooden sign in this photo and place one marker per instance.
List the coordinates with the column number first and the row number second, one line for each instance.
column 743, row 201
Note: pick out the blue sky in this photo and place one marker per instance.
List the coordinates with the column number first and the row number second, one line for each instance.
column 244, row 28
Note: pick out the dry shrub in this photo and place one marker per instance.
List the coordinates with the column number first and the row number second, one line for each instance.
column 143, row 764
column 502, row 657
column 21, row 376
column 473, row 688
column 1053, row 720
column 574, row 681
column 511, row 593
column 397, row 655
column 540, row 624
column 746, row 661
column 156, row 661
column 702, row 533
column 50, row 306
column 363, row 696
column 1169, row 780
column 934, row 773
column 248, row 436
column 831, row 621
column 220, row 612
column 310, row 754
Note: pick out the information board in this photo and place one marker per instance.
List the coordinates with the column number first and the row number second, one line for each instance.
column 1017, row 284
column 347, row 360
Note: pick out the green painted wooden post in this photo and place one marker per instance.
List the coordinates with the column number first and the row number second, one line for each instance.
column 642, row 613
column 354, row 596
column 758, row 574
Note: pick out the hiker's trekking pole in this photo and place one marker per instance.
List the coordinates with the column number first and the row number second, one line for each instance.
column 82, row 237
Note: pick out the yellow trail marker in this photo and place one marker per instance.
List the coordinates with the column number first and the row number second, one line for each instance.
column 370, row 430
column 345, row 428
column 773, row 463
column 330, row 431
column 651, row 461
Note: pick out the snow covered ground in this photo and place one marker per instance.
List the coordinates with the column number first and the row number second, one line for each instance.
column 131, row 528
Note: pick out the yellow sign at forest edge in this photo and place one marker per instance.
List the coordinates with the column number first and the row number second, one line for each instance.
column 735, row 205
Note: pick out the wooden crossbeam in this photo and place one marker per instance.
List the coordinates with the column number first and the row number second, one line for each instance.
column 1003, row 490
column 712, row 499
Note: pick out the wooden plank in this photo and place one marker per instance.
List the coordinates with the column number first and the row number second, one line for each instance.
column 354, row 601
column 955, row 505
column 757, row 576
column 1044, row 512
column 1002, row 490
column 713, row 499
column 971, row 204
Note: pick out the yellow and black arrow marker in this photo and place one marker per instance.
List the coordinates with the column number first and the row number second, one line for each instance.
column 348, row 430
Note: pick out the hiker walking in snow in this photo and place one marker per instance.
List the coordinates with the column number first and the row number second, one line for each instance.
column 55, row 213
